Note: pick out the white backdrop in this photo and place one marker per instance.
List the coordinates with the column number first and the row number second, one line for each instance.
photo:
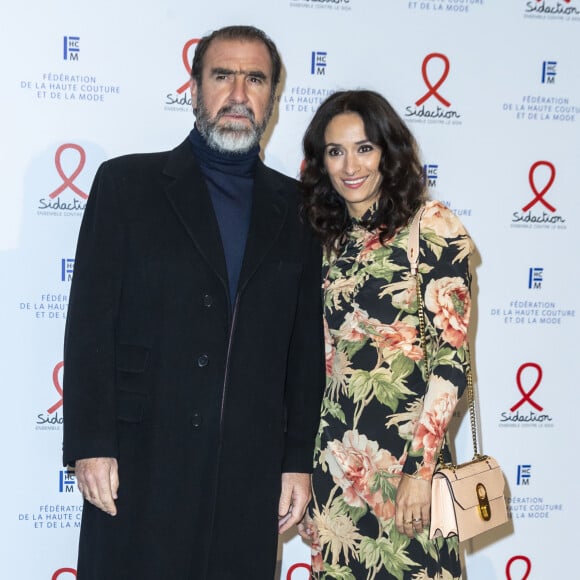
column 491, row 89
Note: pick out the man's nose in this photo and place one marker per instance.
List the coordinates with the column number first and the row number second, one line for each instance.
column 239, row 93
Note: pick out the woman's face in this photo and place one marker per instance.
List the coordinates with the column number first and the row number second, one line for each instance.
column 352, row 162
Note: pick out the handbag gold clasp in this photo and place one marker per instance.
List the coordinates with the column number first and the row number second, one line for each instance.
column 484, row 507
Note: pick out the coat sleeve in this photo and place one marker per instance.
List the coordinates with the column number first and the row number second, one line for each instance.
column 305, row 375
column 89, row 352
column 445, row 288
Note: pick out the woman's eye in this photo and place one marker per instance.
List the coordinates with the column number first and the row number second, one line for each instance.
column 366, row 148
column 333, row 152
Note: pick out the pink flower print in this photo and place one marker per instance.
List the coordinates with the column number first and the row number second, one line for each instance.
column 450, row 302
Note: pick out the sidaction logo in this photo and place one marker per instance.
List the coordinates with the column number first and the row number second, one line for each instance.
column 56, row 203
column 564, row 8
column 433, row 106
column 541, row 177
column 321, row 3
column 299, row 566
column 180, row 100
column 51, row 420
column 64, row 574
column 521, row 566
column 520, row 414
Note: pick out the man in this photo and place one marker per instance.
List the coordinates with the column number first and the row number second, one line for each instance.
column 193, row 348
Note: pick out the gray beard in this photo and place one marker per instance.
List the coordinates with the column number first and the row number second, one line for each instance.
column 233, row 137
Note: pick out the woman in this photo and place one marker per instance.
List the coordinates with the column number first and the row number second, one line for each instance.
column 382, row 422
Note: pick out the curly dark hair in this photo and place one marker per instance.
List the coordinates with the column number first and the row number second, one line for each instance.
column 240, row 32
column 402, row 190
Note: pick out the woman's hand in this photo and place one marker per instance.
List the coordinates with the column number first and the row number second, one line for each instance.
column 412, row 505
column 307, row 529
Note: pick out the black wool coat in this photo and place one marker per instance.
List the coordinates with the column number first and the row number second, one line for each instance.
column 203, row 405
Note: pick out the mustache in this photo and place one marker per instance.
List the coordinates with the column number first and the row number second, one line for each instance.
column 237, row 109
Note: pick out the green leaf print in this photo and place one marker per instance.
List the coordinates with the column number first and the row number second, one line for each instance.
column 351, row 348
column 354, row 513
column 399, row 541
column 337, row 572
column 328, row 301
column 384, row 270
column 381, row 253
column 333, row 409
column 369, row 552
column 394, row 557
column 379, row 383
column 402, row 366
column 429, row 546
column 382, row 480
column 434, row 240
column 374, row 553
column 360, row 385
column 447, row 356
column 388, row 391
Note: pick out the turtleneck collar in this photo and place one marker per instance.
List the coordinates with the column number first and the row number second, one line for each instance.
column 240, row 164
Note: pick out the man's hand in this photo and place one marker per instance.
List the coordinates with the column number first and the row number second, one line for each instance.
column 98, row 481
column 294, row 498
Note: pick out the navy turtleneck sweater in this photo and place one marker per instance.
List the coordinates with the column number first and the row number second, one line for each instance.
column 230, row 179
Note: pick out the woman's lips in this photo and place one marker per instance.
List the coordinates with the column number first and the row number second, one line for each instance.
column 354, row 183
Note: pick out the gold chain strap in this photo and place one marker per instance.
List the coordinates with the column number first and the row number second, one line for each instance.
column 471, row 401
column 422, row 329
column 423, row 339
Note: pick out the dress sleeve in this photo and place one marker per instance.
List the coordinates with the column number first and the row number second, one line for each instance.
column 445, row 287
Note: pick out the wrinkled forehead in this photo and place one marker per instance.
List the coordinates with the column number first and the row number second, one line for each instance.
column 238, row 56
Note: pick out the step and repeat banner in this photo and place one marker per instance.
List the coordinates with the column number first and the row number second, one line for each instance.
column 491, row 89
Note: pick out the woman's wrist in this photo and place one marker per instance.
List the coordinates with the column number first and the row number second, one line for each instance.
column 416, row 476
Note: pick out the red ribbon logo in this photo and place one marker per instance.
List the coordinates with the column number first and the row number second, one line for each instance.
column 539, row 195
column 186, row 63
column 525, row 559
column 527, row 396
column 432, row 92
column 296, row 567
column 61, row 571
column 69, row 181
column 57, row 386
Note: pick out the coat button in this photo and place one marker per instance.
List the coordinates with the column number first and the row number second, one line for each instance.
column 196, row 420
column 208, row 300
column 202, row 360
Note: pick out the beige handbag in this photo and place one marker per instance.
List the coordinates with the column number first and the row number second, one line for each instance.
column 466, row 499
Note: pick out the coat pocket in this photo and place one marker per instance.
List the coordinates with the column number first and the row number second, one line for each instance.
column 132, row 358
column 132, row 390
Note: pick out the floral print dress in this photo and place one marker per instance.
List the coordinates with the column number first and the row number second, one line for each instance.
column 379, row 416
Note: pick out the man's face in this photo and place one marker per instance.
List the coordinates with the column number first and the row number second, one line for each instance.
column 233, row 104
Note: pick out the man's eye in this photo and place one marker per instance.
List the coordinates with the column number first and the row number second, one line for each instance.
column 256, row 80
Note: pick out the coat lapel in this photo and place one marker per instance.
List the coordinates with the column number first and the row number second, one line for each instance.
column 188, row 195
column 269, row 207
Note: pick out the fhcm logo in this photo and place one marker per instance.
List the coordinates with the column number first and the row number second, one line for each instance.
column 66, row 481
column 71, row 48
column 318, row 63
